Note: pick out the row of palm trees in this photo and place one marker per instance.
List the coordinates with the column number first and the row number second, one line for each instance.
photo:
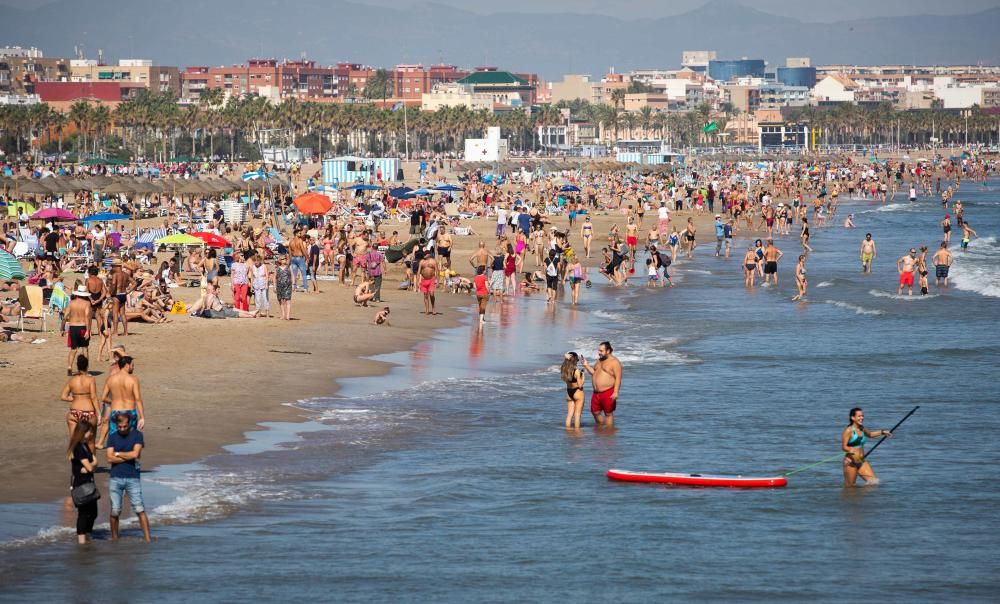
column 155, row 125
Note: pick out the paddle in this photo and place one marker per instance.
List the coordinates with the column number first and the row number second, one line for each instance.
column 906, row 417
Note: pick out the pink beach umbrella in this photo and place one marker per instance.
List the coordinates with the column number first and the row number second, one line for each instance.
column 53, row 214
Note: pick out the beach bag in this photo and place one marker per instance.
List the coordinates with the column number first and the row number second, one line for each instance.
column 179, row 308
column 550, row 268
column 85, row 493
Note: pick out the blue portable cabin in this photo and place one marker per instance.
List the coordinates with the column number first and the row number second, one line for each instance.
column 347, row 170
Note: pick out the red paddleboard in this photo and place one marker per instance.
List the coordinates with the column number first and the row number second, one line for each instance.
column 700, row 480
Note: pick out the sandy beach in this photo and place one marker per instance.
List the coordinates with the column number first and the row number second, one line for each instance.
column 205, row 383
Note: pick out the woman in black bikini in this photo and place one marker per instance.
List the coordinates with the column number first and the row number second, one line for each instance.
column 573, row 376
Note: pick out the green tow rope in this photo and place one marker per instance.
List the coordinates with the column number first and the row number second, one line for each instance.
column 812, row 465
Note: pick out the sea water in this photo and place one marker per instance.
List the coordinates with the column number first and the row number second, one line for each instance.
column 453, row 479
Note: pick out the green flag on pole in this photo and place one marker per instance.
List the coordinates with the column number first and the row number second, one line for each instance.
column 710, row 127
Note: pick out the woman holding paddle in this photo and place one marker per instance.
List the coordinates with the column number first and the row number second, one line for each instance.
column 852, row 441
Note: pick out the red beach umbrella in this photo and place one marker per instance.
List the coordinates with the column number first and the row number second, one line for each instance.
column 211, row 239
column 313, row 203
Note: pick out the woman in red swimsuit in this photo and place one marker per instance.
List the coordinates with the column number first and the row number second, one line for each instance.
column 510, row 265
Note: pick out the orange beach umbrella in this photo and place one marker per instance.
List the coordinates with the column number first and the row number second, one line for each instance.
column 313, row 203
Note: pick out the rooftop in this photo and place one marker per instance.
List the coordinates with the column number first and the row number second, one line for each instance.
column 493, row 77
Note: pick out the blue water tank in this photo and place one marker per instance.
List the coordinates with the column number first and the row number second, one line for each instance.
column 797, row 76
column 727, row 70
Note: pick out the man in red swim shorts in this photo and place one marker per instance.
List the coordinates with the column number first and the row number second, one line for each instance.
column 906, row 267
column 428, row 272
column 606, row 377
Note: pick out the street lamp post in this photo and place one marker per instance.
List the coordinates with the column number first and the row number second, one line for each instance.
column 966, row 114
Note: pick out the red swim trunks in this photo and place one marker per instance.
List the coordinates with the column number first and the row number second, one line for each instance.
column 427, row 286
column 603, row 401
column 906, row 278
column 631, row 241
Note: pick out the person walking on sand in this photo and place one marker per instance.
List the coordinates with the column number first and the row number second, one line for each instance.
column 81, row 392
column 906, row 266
column 482, row 293
column 575, row 381
column 76, row 321
column 852, row 442
column 606, row 377
column 427, row 273
column 122, row 390
column 868, row 253
column 283, row 288
column 942, row 260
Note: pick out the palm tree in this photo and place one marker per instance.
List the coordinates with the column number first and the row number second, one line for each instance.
column 59, row 122
column 618, row 97
column 79, row 114
column 629, row 120
column 645, row 119
column 100, row 119
column 193, row 119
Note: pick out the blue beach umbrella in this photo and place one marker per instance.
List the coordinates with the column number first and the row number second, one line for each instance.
column 105, row 217
column 362, row 187
column 448, row 187
column 399, row 191
column 569, row 189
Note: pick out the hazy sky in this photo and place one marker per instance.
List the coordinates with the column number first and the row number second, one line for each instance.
column 806, row 10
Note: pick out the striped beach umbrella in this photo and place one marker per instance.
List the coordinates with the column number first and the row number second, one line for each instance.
column 10, row 268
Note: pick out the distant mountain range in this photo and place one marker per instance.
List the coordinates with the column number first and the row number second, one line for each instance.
column 194, row 32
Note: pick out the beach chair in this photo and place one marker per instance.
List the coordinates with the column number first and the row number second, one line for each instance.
column 32, row 306
column 462, row 231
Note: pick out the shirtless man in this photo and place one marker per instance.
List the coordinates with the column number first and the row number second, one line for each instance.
column 77, row 319
column 867, row 253
column 906, row 267
column 298, row 250
column 631, row 237
column 427, row 273
column 849, row 223
column 942, row 260
column 98, row 294
column 771, row 257
column 122, row 391
column 118, row 288
column 480, row 259
column 444, row 249
column 606, row 376
column 359, row 245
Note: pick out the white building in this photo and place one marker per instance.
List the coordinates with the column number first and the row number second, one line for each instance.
column 958, row 96
column 491, row 148
column 16, row 52
column 697, row 60
column 835, row 88
column 455, row 95
column 19, row 99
